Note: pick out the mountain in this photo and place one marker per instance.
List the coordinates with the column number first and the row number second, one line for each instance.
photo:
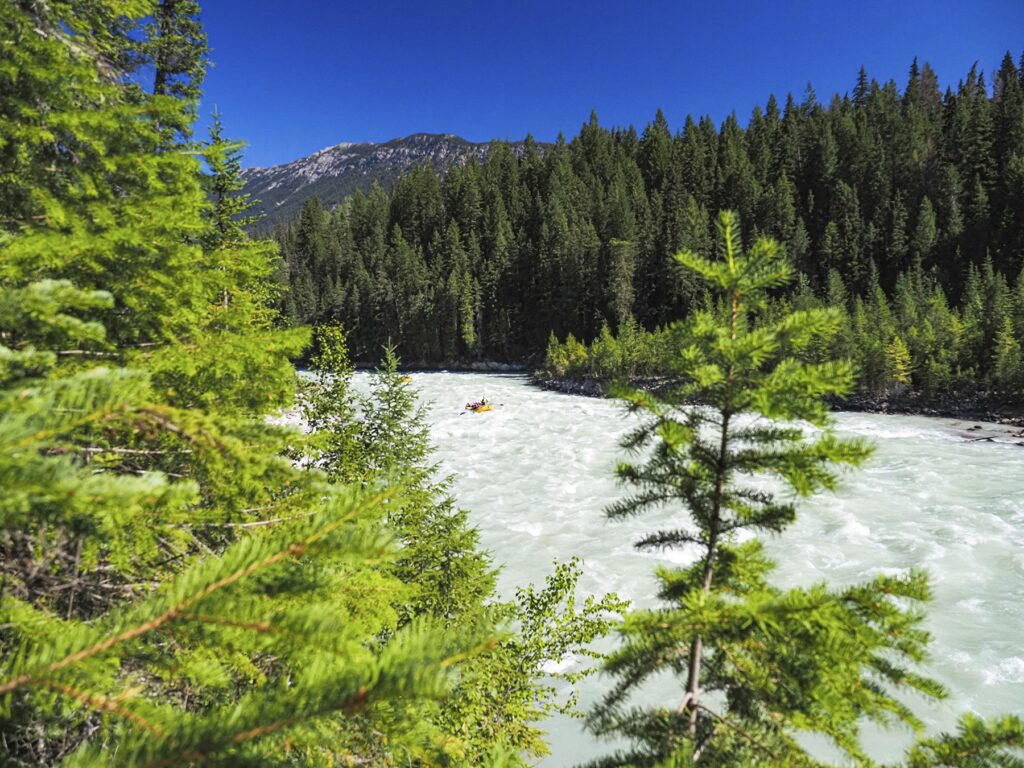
column 336, row 172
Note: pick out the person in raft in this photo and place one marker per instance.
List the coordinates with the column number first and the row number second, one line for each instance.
column 480, row 404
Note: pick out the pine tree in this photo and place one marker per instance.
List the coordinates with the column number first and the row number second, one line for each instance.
column 179, row 50
column 860, row 93
column 898, row 238
column 898, row 363
column 230, row 213
column 173, row 588
column 312, row 262
column 382, row 436
column 174, row 46
column 622, row 266
column 925, row 233
column 1008, row 360
column 759, row 664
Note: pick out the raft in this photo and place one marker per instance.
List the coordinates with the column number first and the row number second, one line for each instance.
column 483, row 408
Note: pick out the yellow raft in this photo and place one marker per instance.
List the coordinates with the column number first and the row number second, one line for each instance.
column 483, row 408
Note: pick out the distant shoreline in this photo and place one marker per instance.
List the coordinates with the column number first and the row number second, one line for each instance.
column 981, row 408
column 479, row 366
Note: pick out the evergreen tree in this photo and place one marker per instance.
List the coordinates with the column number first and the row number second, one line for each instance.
column 173, row 588
column 1008, row 362
column 759, row 664
column 174, row 46
column 897, row 362
column 898, row 239
column 925, row 233
column 620, row 287
column 860, row 92
column 229, row 216
column 381, row 436
column 177, row 49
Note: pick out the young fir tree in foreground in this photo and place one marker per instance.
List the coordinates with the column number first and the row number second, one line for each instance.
column 759, row 666
column 365, row 438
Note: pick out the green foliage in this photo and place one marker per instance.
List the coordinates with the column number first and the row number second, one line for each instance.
column 914, row 340
column 1008, row 363
column 330, row 409
column 173, row 588
column 183, row 581
column 897, row 361
column 381, row 435
column 176, row 45
column 634, row 353
column 505, row 690
column 977, row 744
column 235, row 654
column 896, row 192
column 759, row 666
column 570, row 358
column 228, row 214
column 265, row 598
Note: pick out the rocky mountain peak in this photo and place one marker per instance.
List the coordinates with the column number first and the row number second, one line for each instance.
column 337, row 171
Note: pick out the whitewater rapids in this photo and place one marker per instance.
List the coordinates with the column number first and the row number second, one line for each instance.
column 536, row 472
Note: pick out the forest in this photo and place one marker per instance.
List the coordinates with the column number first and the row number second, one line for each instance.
column 903, row 207
column 188, row 578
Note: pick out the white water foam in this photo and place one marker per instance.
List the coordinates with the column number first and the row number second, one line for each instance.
column 536, row 472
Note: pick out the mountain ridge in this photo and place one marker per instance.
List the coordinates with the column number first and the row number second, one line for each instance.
column 337, row 171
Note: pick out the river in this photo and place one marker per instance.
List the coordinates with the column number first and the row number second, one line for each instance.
column 536, row 472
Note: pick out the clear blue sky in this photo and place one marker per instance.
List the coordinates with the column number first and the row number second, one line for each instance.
column 293, row 77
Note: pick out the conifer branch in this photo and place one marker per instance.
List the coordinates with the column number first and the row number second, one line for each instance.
column 293, row 550
column 253, row 523
column 740, row 731
column 104, row 704
column 199, row 753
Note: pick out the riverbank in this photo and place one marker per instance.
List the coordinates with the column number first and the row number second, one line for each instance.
column 982, row 407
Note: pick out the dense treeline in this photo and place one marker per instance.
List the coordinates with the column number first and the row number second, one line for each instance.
column 876, row 188
column 911, row 341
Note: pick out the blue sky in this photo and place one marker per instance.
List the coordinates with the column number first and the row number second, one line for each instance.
column 293, row 77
